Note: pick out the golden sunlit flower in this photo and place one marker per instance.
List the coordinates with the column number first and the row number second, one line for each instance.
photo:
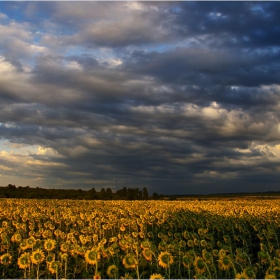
column 6, row 259
column 225, row 262
column 49, row 244
column 24, row 260
column 50, row 258
column 129, row 261
column 53, row 267
column 148, row 254
column 187, row 261
column 156, row 276
column 165, row 259
column 64, row 247
column 31, row 241
column 199, row 265
column 92, row 256
column 37, row 256
column 112, row 271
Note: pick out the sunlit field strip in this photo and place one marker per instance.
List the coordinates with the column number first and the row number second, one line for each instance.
column 139, row 239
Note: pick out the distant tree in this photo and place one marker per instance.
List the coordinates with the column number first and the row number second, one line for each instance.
column 145, row 194
column 92, row 193
column 109, row 193
column 155, row 196
column 102, row 194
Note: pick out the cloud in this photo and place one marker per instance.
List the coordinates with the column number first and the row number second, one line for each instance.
column 179, row 97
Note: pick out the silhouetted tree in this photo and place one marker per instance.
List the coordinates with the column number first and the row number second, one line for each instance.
column 145, row 194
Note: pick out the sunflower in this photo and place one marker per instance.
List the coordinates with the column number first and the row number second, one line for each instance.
column 187, row 261
column 31, row 242
column 64, row 247
column 63, row 256
column 50, row 258
column 24, row 260
column 37, row 256
column 112, row 271
column 53, row 267
column 129, row 261
column 203, row 243
column 23, row 245
column 199, row 265
column 96, row 275
column 207, row 256
column 148, row 254
column 249, row 273
column 92, row 256
column 165, row 259
column 190, row 243
column 225, row 262
column 16, row 238
column 156, row 276
column 49, row 244
column 6, row 259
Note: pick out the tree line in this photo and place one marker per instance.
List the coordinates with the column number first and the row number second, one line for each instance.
column 11, row 191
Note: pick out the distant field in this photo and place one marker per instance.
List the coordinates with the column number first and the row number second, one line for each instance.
column 140, row 239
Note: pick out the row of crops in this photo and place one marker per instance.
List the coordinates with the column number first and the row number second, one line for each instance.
column 139, row 239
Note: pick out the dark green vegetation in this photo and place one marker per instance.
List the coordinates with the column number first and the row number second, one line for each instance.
column 11, row 191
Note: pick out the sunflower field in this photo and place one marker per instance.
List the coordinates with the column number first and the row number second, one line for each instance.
column 139, row 239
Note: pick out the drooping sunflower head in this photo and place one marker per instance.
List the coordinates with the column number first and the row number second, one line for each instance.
column 190, row 243
column 225, row 262
column 24, row 260
column 6, row 259
column 64, row 247
column 156, row 276
column 165, row 259
column 53, row 267
column 31, row 242
column 112, row 271
column 148, row 254
column 249, row 273
column 145, row 244
column 92, row 256
column 50, row 258
column 207, row 256
column 187, row 261
column 129, row 261
column 199, row 265
column 37, row 256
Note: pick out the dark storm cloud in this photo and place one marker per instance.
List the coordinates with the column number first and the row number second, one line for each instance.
column 179, row 97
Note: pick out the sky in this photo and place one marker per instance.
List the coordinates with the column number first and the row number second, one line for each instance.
column 178, row 97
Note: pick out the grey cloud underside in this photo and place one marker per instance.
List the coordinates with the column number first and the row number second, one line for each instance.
column 192, row 107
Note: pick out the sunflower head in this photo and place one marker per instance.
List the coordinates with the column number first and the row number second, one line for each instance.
column 50, row 258
column 24, row 260
column 148, row 254
column 165, row 259
column 92, row 256
column 156, row 276
column 112, row 271
column 187, row 261
column 53, row 267
column 129, row 261
column 199, row 265
column 37, row 256
column 6, row 259
column 49, row 244
column 225, row 262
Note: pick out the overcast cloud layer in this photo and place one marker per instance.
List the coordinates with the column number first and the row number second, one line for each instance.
column 178, row 97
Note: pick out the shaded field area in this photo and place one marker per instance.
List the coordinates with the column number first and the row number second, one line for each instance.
column 217, row 239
